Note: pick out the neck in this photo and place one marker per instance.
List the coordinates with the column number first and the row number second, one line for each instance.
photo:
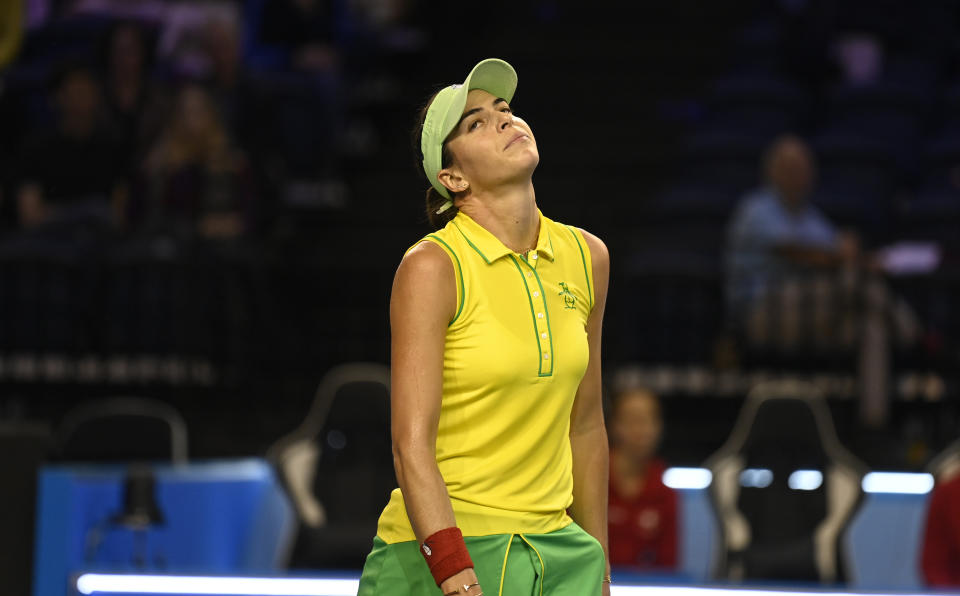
column 510, row 214
column 630, row 466
column 791, row 203
column 226, row 75
column 125, row 80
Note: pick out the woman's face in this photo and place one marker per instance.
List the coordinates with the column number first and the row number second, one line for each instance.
column 126, row 54
column 490, row 145
column 195, row 112
column 637, row 425
column 79, row 96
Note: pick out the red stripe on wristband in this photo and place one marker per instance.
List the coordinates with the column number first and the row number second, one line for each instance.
column 446, row 554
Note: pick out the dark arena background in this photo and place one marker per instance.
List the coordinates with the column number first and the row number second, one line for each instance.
column 202, row 206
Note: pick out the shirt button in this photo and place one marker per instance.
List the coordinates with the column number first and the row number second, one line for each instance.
column 536, row 294
column 534, row 256
column 539, row 315
column 543, row 335
column 529, row 274
column 546, row 356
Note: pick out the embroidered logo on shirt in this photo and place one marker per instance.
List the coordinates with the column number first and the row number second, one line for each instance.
column 569, row 300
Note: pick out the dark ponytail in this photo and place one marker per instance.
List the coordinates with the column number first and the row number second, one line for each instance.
column 435, row 200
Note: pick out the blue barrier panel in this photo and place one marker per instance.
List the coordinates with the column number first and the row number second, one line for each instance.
column 220, row 517
column 885, row 541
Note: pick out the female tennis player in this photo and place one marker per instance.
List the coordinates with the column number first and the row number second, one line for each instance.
column 498, row 435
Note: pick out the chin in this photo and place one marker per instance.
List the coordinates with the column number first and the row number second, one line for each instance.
column 532, row 158
column 532, row 165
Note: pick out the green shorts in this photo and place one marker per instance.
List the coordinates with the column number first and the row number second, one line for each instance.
column 568, row 562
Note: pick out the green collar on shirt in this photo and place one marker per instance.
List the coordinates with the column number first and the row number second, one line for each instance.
column 489, row 246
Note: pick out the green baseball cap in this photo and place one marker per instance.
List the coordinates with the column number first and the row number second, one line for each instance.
column 493, row 76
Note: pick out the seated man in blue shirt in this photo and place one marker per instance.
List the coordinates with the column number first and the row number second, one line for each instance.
column 778, row 237
column 794, row 279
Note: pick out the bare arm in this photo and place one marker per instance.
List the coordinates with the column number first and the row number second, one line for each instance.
column 807, row 256
column 846, row 252
column 422, row 303
column 588, row 435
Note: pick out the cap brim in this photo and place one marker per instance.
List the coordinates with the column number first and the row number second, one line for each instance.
column 492, row 75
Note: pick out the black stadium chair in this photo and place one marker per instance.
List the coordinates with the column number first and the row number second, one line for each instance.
column 337, row 467
column 784, row 489
column 122, row 429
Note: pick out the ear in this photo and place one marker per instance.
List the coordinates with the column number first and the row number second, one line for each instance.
column 452, row 179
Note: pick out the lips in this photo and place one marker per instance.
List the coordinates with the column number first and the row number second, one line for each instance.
column 521, row 135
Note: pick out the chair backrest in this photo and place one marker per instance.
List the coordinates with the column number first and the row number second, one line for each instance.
column 344, row 441
column 123, row 429
column 784, row 489
column 946, row 464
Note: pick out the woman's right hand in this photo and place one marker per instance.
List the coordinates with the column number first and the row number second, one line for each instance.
column 454, row 584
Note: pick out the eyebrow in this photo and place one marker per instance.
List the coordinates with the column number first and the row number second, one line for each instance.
column 475, row 110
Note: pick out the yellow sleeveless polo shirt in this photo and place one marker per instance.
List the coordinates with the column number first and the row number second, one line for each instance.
column 514, row 356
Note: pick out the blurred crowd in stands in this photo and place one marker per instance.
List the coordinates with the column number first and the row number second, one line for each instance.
column 646, row 518
column 806, row 220
column 176, row 122
column 802, row 214
column 822, row 161
column 793, row 278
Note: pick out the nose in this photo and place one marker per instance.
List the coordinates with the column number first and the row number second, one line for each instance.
column 505, row 121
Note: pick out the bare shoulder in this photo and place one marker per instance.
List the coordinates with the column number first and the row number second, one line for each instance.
column 598, row 250
column 425, row 282
column 600, row 258
column 426, row 261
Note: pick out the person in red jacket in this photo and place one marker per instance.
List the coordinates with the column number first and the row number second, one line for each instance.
column 941, row 541
column 642, row 513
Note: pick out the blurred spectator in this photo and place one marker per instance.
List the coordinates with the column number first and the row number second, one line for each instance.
column 823, row 41
column 196, row 179
column 295, row 40
column 941, row 541
column 860, row 58
column 75, row 171
column 642, row 511
column 127, row 61
column 179, row 28
column 183, row 44
column 236, row 94
column 222, row 39
column 794, row 279
column 776, row 232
